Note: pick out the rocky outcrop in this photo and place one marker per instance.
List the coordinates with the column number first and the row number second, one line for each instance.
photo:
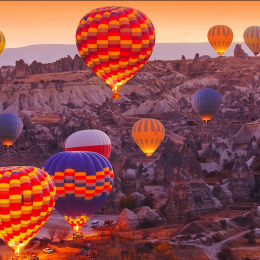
column 111, row 204
column 22, row 69
column 220, row 149
column 183, row 103
column 196, row 65
column 239, row 52
column 127, row 220
column 170, row 158
column 188, row 193
column 241, row 180
column 252, row 151
column 137, row 199
column 188, row 144
column 1, row 77
column 183, row 68
column 224, row 195
column 146, row 214
column 130, row 177
column 253, row 111
column 78, row 64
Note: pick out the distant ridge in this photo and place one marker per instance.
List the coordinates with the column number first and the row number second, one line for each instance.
column 46, row 53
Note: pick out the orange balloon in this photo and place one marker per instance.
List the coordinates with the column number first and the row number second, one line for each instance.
column 220, row 38
column 148, row 134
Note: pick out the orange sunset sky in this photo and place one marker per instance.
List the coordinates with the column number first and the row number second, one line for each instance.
column 49, row 22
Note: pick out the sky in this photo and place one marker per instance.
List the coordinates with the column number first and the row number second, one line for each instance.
column 54, row 22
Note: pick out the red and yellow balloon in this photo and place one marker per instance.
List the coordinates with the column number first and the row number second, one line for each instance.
column 115, row 42
column 27, row 197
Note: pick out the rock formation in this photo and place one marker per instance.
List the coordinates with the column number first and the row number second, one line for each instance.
column 224, row 195
column 127, row 220
column 130, row 177
column 241, row 180
column 188, row 193
column 196, row 65
column 183, row 68
column 147, row 214
column 22, row 69
column 170, row 158
column 220, row 149
column 239, row 52
column 1, row 77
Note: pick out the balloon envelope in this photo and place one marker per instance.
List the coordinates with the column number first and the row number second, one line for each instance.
column 2, row 42
column 11, row 126
column 115, row 42
column 27, row 196
column 83, row 181
column 148, row 134
column 206, row 103
column 89, row 141
column 220, row 38
column 252, row 39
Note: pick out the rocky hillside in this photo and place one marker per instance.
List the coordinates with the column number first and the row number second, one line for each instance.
column 204, row 164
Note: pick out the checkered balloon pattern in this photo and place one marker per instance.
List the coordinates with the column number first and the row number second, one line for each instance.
column 115, row 42
column 83, row 181
column 27, row 197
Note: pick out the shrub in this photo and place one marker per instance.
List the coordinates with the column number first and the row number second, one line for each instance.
column 163, row 251
column 217, row 237
column 108, row 222
column 147, row 223
column 125, row 202
column 223, row 223
column 34, row 84
column 250, row 237
column 225, row 254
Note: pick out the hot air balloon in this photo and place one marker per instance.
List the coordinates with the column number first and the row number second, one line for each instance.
column 83, row 181
column 11, row 126
column 252, row 39
column 27, row 196
column 206, row 103
column 148, row 134
column 89, row 141
column 220, row 37
column 2, row 42
column 115, row 42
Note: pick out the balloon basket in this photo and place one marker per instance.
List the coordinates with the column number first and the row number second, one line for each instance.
column 116, row 95
column 148, row 154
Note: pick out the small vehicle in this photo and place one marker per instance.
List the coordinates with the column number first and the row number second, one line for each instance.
column 78, row 235
column 48, row 250
column 95, row 223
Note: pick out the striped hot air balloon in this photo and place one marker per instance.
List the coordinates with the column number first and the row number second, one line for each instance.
column 220, row 38
column 148, row 134
column 83, row 181
column 206, row 103
column 252, row 39
column 115, row 42
column 11, row 126
column 89, row 141
column 2, row 42
column 27, row 197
